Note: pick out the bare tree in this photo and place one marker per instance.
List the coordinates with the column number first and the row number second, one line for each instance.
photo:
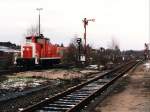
column 114, row 44
column 32, row 30
column 72, row 52
column 114, row 51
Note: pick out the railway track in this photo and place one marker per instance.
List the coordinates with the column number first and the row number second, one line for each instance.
column 75, row 98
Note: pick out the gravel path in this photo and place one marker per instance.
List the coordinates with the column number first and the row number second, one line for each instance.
column 132, row 95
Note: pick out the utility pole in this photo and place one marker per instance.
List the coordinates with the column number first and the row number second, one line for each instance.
column 39, row 9
column 85, row 22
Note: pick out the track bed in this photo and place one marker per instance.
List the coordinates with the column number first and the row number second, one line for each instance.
column 77, row 97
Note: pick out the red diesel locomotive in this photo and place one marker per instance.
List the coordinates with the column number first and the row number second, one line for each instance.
column 39, row 50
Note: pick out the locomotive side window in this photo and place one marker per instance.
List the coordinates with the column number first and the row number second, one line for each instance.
column 39, row 40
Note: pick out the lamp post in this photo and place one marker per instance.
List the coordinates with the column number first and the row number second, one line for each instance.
column 85, row 22
column 39, row 9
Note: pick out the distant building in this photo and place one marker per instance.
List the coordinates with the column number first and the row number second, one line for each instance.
column 8, row 50
column 9, row 45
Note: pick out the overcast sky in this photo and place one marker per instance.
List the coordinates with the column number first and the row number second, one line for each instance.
column 125, row 20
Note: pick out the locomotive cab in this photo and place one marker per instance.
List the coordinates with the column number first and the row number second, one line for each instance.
column 27, row 57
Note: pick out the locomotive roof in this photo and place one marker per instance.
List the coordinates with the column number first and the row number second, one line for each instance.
column 7, row 49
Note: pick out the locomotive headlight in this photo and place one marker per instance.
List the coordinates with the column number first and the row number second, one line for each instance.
column 27, row 49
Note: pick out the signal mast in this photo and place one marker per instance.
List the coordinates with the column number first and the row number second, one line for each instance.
column 85, row 22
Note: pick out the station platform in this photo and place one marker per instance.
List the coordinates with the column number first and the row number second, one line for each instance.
column 131, row 95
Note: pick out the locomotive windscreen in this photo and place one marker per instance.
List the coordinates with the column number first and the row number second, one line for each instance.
column 28, row 39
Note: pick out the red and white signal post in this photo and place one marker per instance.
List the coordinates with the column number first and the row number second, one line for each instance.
column 85, row 22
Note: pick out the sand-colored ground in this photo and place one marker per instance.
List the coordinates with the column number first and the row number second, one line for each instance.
column 57, row 73
column 135, row 96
